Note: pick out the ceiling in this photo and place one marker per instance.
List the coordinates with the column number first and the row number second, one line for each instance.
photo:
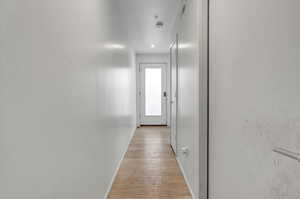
column 140, row 22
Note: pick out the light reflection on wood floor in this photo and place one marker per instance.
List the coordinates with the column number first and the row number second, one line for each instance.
column 149, row 169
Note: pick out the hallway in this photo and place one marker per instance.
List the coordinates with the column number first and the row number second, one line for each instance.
column 149, row 168
column 95, row 94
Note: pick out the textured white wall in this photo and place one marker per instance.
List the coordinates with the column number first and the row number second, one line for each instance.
column 255, row 96
column 67, row 98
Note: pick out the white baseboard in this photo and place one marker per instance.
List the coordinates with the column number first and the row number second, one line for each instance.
column 185, row 178
column 119, row 165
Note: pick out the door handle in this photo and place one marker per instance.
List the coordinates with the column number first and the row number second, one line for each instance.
column 165, row 94
column 290, row 154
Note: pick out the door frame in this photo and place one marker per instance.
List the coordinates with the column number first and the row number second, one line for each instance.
column 174, row 44
column 139, row 91
column 204, row 141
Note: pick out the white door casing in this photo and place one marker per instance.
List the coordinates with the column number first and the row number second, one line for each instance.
column 174, row 94
column 153, row 94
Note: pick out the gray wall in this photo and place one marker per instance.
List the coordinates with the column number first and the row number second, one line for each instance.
column 63, row 127
column 255, row 95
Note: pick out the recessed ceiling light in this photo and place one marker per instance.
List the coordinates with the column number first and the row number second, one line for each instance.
column 152, row 46
column 114, row 46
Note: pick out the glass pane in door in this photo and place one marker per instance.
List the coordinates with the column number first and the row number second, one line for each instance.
column 153, row 91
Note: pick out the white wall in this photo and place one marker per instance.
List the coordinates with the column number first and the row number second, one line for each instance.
column 153, row 58
column 63, row 127
column 188, row 29
column 255, row 95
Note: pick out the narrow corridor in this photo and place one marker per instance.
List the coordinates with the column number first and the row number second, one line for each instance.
column 216, row 80
column 149, row 169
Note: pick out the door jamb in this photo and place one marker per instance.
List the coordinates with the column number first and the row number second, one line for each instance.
column 175, row 43
column 139, row 91
column 204, row 141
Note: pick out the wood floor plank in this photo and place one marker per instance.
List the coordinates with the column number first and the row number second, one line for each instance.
column 149, row 169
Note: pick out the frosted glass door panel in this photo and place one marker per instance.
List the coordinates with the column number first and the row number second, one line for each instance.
column 153, row 91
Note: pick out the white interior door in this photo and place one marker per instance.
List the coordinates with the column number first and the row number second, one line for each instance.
column 174, row 94
column 153, row 94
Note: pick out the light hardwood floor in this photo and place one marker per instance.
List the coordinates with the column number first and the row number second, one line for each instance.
column 149, row 169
